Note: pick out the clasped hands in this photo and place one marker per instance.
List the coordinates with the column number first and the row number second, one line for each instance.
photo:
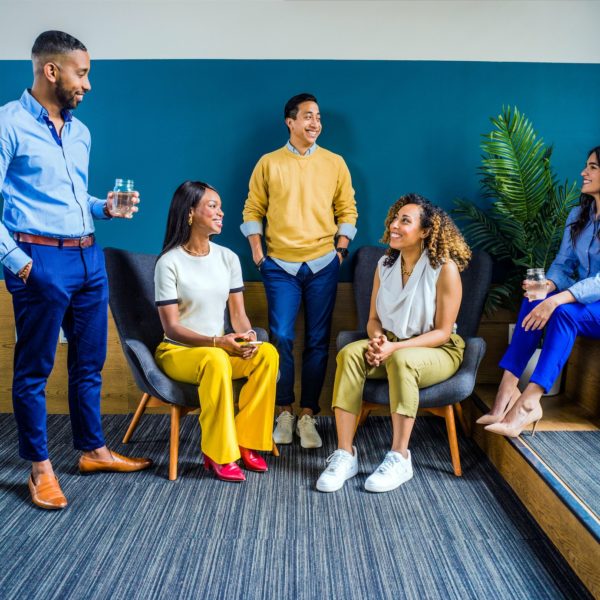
column 379, row 350
column 233, row 344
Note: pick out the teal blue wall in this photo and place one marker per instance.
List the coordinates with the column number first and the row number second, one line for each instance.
column 401, row 126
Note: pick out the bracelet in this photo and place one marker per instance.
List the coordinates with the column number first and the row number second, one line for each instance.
column 254, row 332
column 106, row 211
column 260, row 262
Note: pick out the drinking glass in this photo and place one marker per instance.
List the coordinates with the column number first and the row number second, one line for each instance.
column 122, row 201
column 537, row 288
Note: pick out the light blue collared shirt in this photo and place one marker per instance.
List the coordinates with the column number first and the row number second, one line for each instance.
column 43, row 178
column 577, row 268
column 315, row 265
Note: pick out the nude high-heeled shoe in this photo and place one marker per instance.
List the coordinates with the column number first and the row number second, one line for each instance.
column 532, row 418
column 488, row 418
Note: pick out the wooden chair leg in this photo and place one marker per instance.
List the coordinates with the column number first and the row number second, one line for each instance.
column 136, row 417
column 275, row 450
column 364, row 413
column 461, row 419
column 452, row 439
column 174, row 443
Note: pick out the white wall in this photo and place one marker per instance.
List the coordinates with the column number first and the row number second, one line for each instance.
column 483, row 30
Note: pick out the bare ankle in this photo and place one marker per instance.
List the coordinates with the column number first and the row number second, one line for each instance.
column 402, row 451
column 99, row 453
column 529, row 404
column 43, row 467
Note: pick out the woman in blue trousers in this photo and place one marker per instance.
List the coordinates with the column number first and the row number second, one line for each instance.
column 572, row 308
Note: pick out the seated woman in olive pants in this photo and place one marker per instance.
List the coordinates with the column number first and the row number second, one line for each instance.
column 416, row 296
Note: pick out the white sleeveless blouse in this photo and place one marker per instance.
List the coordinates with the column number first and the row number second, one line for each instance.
column 408, row 310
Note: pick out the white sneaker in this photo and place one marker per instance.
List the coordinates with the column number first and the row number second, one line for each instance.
column 391, row 473
column 284, row 431
column 340, row 466
column 307, row 430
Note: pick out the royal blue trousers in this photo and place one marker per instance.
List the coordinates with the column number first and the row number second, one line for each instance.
column 285, row 292
column 66, row 287
column 564, row 325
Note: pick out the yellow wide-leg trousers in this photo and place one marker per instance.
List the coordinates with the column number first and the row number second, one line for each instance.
column 212, row 370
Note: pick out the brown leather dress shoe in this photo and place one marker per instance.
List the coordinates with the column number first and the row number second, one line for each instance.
column 46, row 493
column 119, row 464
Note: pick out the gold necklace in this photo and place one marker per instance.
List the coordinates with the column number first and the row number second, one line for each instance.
column 403, row 270
column 192, row 253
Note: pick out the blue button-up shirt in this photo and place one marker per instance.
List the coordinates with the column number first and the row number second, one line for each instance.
column 316, row 264
column 43, row 178
column 577, row 268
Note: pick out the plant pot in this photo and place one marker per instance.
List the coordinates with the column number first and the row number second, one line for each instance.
column 530, row 368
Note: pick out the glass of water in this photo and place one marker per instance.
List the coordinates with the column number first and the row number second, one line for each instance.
column 537, row 288
column 122, row 201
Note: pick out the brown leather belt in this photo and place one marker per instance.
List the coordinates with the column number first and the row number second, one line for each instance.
column 82, row 242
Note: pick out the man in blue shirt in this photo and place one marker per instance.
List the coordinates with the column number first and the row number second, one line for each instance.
column 52, row 266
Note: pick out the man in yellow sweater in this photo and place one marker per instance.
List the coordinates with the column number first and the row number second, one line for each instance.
column 305, row 194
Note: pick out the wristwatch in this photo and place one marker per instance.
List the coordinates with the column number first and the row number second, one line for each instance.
column 343, row 252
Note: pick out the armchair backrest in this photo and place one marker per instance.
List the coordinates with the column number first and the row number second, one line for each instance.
column 476, row 279
column 131, row 284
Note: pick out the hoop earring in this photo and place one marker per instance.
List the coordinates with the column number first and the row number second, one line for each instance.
column 190, row 220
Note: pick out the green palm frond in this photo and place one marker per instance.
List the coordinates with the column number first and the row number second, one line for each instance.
column 507, row 294
column 525, row 222
column 482, row 230
column 515, row 167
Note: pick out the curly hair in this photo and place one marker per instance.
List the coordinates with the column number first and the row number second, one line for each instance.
column 443, row 242
column 587, row 203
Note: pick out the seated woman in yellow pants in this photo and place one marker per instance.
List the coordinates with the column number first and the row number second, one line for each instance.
column 416, row 296
column 195, row 279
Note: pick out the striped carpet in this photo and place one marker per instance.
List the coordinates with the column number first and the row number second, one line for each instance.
column 273, row 537
column 575, row 457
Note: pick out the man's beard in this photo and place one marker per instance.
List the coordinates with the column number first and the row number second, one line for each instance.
column 65, row 98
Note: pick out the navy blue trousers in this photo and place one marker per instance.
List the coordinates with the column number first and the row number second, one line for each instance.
column 317, row 293
column 66, row 287
column 564, row 325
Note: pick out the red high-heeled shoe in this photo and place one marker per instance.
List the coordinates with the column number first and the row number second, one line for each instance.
column 227, row 472
column 253, row 461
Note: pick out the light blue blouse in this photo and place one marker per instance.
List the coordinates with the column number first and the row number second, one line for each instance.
column 577, row 267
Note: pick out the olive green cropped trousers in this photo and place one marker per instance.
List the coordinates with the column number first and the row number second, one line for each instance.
column 407, row 370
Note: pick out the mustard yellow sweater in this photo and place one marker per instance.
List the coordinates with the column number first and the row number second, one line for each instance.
column 304, row 199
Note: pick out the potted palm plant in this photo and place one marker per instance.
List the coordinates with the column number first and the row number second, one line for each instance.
column 523, row 224
column 522, row 227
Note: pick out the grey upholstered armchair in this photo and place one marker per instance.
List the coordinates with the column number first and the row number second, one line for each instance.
column 131, row 285
column 445, row 397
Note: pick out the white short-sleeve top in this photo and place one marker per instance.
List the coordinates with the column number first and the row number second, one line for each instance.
column 408, row 310
column 199, row 285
